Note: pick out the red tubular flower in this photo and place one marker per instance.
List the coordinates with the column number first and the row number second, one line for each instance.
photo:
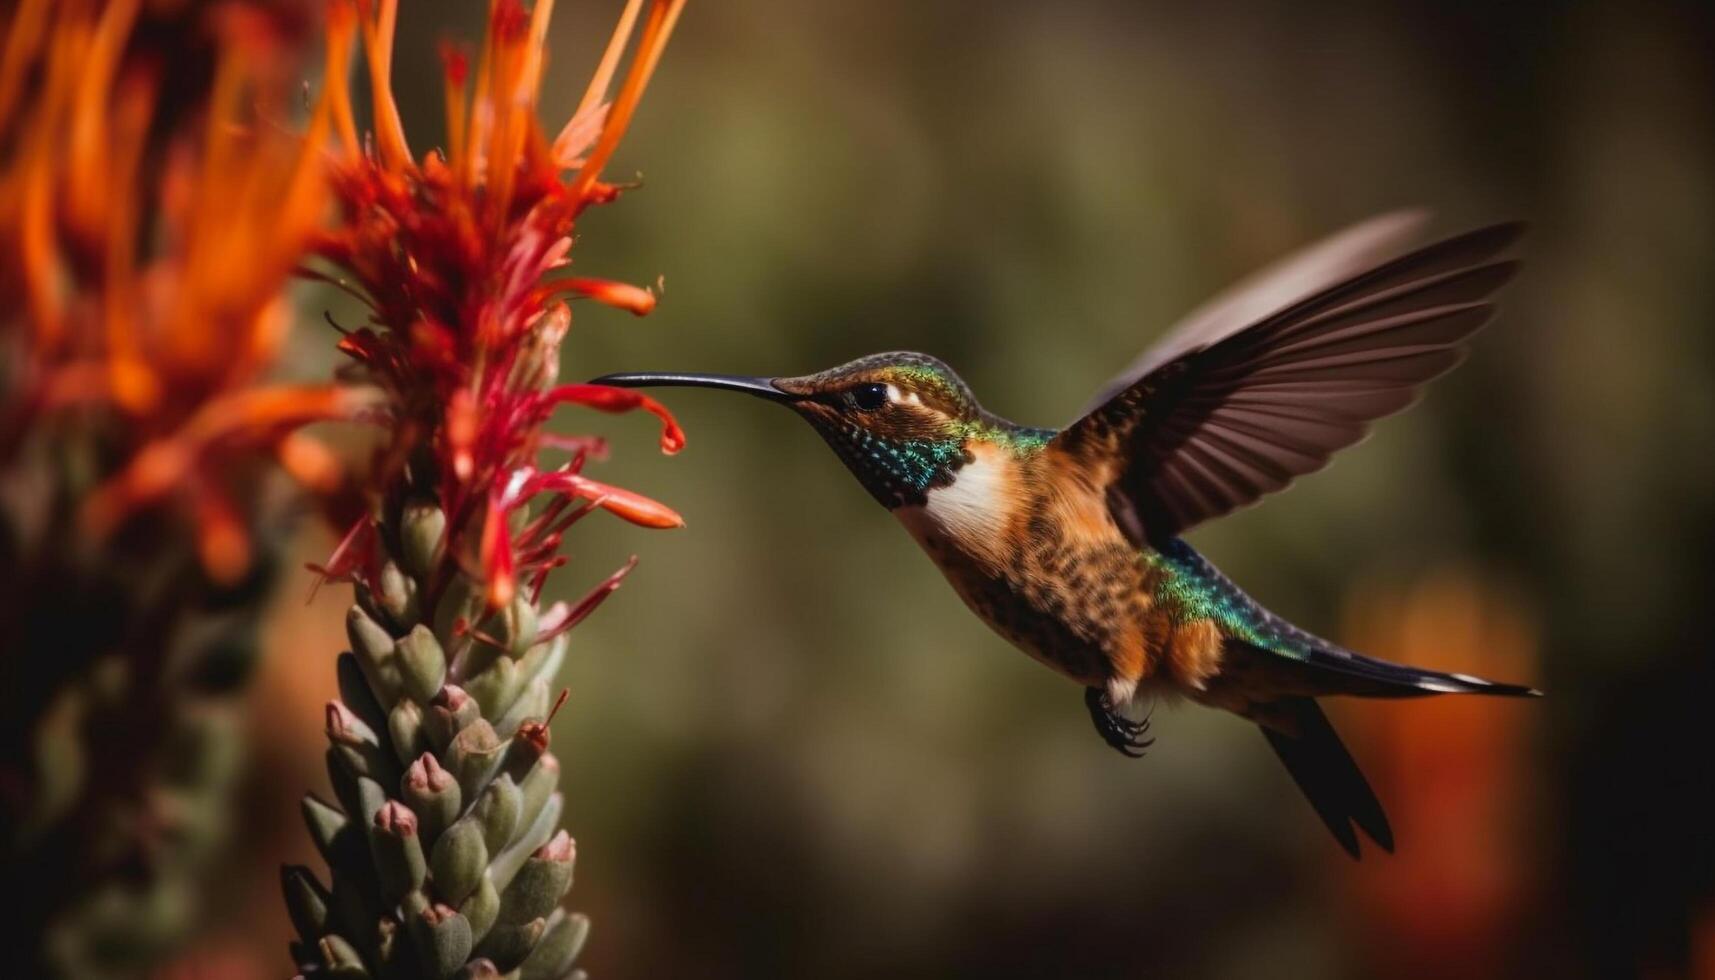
column 632, row 507
column 452, row 251
column 605, row 398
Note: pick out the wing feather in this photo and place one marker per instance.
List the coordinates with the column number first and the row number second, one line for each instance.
column 1217, row 426
column 1308, row 270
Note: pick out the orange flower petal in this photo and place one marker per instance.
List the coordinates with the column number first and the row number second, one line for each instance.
column 312, row 464
column 638, row 300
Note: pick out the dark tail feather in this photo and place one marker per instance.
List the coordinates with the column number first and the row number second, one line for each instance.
column 1326, row 772
column 1369, row 677
column 1312, row 665
column 1319, row 667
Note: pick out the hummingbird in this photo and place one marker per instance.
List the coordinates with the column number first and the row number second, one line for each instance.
column 1069, row 542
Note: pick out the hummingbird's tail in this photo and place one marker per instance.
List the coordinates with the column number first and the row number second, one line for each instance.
column 1298, row 667
column 1261, row 644
column 1272, row 672
column 1336, row 670
column 1325, row 772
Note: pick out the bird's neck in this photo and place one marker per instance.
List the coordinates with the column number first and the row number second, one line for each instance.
column 972, row 513
column 901, row 471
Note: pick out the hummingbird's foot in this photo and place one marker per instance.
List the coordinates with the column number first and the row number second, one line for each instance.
column 1125, row 735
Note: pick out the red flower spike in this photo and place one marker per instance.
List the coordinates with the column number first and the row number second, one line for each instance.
column 453, row 253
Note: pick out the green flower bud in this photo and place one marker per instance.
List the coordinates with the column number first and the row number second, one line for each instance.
column 504, row 866
column 515, row 627
column 356, row 694
column 327, row 826
column 422, row 664
column 538, row 887
column 497, row 811
column 398, row 852
column 495, row 688
column 398, row 595
column 358, row 745
column 531, row 704
column 460, row 603
column 433, row 794
column 373, row 647
column 341, row 960
column 306, row 901
column 459, row 859
column 370, row 798
column 558, row 949
column 369, row 639
column 543, row 660
column 473, row 756
column 443, row 940
column 341, row 777
column 344, row 727
column 508, row 943
column 538, row 785
column 413, row 905
column 405, row 731
column 368, row 602
column 481, row 908
column 451, row 712
column 528, row 744
column 422, row 526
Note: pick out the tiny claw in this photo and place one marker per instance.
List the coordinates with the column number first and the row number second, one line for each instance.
column 1120, row 732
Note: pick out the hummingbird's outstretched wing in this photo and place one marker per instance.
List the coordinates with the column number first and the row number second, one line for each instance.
column 1309, row 270
column 1218, row 426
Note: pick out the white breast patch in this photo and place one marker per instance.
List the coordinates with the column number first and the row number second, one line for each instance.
column 971, row 509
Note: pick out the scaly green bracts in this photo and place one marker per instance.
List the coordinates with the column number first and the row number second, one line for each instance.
column 444, row 842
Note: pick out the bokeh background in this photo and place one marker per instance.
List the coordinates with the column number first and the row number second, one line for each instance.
column 789, row 750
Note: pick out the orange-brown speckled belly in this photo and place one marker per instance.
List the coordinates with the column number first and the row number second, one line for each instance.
column 1083, row 612
column 1040, row 559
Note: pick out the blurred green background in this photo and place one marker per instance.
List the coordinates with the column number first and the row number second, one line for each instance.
column 789, row 749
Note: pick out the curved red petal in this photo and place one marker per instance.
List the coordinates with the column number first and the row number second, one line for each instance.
column 605, row 398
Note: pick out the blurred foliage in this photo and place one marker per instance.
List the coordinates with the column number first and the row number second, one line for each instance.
column 796, row 754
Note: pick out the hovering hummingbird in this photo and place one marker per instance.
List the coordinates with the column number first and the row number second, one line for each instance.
column 1067, row 542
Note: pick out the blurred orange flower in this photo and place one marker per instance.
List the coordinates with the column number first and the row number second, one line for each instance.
column 1453, row 772
column 148, row 259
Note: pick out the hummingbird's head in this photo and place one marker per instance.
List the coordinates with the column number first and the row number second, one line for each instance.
column 901, row 422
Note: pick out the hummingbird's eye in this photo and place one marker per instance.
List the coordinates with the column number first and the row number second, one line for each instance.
column 868, row 397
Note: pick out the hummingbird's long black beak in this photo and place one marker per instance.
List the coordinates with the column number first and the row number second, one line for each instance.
column 760, row 387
